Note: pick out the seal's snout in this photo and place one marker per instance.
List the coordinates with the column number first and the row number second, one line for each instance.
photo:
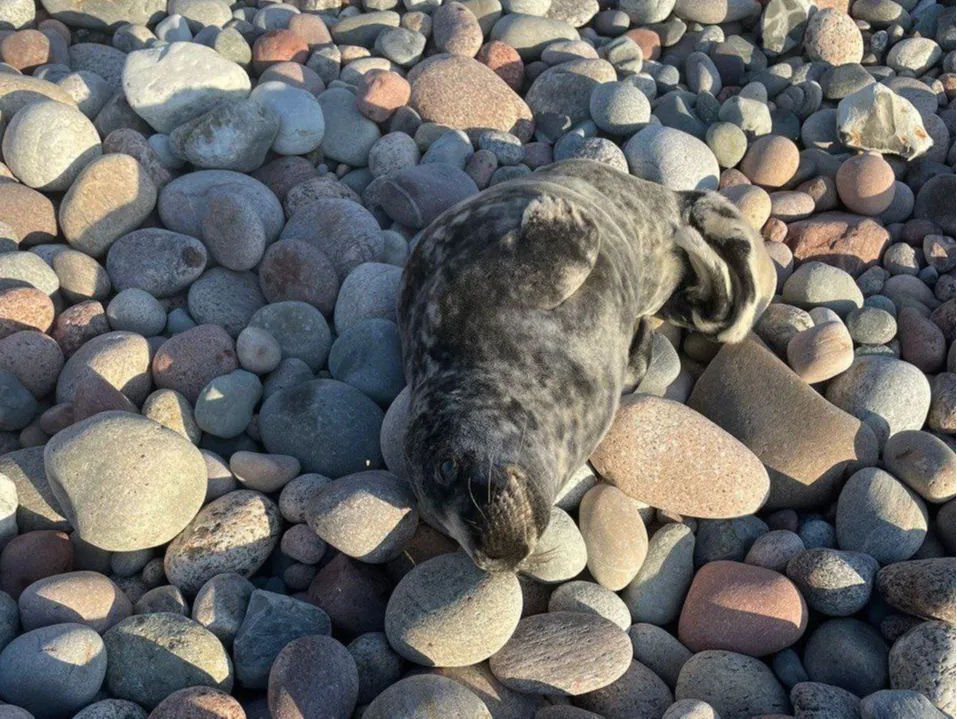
column 504, row 518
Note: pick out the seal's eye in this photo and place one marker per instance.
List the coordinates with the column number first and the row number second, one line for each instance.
column 447, row 471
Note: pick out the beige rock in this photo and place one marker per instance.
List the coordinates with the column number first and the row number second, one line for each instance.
column 615, row 536
column 821, row 352
column 660, row 452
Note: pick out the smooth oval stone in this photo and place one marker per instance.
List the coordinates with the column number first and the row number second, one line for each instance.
column 863, row 665
column 834, row 582
column 313, row 676
column 649, row 453
column 591, row 598
column 111, row 709
column 53, row 671
column 563, row 654
column 369, row 516
column 672, row 158
column 898, row 704
column 615, row 536
column 415, row 196
column 348, row 135
column 329, row 426
column 346, row 232
column 529, row 34
column 118, row 360
column 154, row 260
column 878, row 515
column 448, row 612
column 170, row 85
column 425, row 694
column 885, row 393
column 756, row 398
column 83, row 597
column 299, row 328
column 560, row 553
column 656, row 593
column 183, row 203
column 637, row 692
column 110, row 197
column 154, row 655
column 741, row 608
column 736, row 685
column 923, row 587
column 235, row 533
column 220, row 605
column 924, row 462
column 660, row 651
column 124, row 481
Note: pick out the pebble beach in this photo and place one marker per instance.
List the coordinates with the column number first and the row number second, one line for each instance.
column 205, row 512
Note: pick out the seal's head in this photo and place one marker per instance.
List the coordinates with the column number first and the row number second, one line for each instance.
column 476, row 478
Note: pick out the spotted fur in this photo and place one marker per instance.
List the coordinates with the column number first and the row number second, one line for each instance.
column 521, row 318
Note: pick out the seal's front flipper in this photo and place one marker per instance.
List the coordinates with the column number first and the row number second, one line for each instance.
column 639, row 355
column 552, row 252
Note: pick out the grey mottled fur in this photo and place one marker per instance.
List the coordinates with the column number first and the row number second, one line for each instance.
column 520, row 312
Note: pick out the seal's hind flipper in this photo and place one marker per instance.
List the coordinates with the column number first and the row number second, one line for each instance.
column 551, row 253
column 639, row 355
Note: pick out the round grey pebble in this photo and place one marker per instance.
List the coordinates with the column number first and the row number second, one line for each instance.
column 378, row 664
column 619, row 108
column 135, row 310
column 53, row 671
column 734, row 684
column 425, row 694
column 507, row 148
column 299, row 328
column 880, row 516
column 834, row 582
column 226, row 298
column 329, row 426
column 660, row 651
column 863, row 652
column 154, row 655
column 589, row 597
column 426, row 620
column 871, row 326
column 368, row 356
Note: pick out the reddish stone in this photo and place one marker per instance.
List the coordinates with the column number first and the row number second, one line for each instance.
column 647, row 40
column 296, row 270
column 732, row 177
column 353, row 594
column 741, row 608
column 850, row 242
column 32, row 556
column 187, row 362
column 774, row 230
column 93, row 395
column 294, row 74
column 381, row 93
column 198, row 703
column 77, row 325
column 29, row 213
column 279, row 46
column 310, row 28
column 34, row 358
column 26, row 50
column 284, row 173
column 24, row 308
column 504, row 61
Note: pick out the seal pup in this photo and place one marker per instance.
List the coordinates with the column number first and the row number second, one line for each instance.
column 521, row 314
